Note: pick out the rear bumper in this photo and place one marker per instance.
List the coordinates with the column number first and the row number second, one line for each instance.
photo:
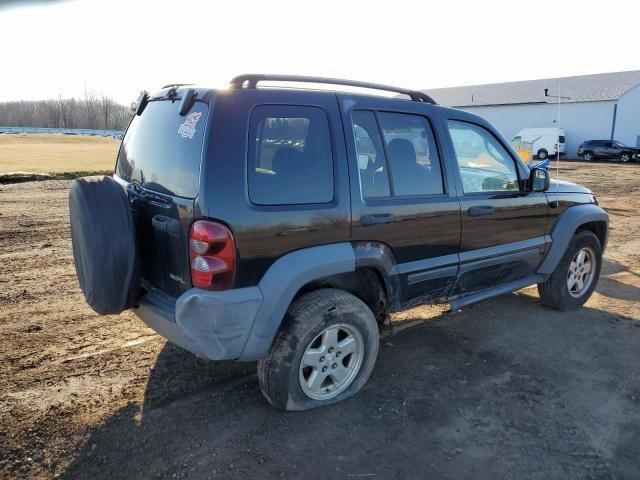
column 212, row 325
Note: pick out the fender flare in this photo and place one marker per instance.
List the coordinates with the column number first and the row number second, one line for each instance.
column 566, row 225
column 380, row 257
column 283, row 280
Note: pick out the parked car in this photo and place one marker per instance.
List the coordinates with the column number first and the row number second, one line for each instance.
column 544, row 141
column 607, row 149
column 284, row 225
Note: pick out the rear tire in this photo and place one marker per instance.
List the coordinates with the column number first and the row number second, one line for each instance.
column 543, row 154
column 556, row 292
column 305, row 367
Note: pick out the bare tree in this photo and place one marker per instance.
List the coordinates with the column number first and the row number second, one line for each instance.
column 90, row 112
column 91, row 109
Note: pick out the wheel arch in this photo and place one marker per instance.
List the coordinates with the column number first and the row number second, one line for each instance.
column 598, row 227
column 362, row 269
column 579, row 217
column 366, row 283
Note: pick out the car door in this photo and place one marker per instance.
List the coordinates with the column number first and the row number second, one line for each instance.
column 503, row 225
column 401, row 193
column 610, row 150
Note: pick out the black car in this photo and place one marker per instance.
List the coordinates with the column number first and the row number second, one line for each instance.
column 284, row 225
column 607, row 149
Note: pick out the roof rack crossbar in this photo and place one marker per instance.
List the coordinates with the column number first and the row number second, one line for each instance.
column 251, row 81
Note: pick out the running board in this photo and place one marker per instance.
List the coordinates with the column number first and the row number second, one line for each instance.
column 465, row 300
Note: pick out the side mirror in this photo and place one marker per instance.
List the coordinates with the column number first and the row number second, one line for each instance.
column 539, row 180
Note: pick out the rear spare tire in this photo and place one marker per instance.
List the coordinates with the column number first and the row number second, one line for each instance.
column 104, row 244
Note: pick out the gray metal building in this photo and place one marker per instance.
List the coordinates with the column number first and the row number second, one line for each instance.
column 601, row 106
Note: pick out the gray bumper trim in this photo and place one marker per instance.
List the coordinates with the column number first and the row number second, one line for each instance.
column 240, row 324
column 212, row 325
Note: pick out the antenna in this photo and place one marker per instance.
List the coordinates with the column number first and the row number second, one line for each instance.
column 559, row 97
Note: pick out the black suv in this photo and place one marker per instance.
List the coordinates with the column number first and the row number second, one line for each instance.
column 284, row 225
column 607, row 149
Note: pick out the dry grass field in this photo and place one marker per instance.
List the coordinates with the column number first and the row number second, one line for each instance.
column 57, row 153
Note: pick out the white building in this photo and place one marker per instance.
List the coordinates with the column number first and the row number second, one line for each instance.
column 596, row 107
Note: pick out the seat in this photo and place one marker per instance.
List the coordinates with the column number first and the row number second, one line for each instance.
column 409, row 177
column 287, row 162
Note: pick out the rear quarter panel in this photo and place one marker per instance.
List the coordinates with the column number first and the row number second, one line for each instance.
column 265, row 233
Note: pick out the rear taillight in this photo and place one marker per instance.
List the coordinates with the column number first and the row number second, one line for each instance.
column 212, row 253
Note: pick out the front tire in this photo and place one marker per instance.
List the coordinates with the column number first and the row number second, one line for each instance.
column 625, row 157
column 324, row 352
column 542, row 154
column 575, row 278
column 587, row 157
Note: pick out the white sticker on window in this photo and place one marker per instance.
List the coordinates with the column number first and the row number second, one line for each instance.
column 188, row 128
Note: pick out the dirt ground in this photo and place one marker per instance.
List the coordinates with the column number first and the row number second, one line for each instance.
column 503, row 389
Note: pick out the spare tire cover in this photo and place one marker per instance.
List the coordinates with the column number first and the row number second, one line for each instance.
column 104, row 244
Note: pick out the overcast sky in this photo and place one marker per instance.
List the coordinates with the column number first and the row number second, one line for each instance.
column 121, row 47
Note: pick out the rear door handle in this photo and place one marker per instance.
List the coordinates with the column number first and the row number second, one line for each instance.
column 481, row 210
column 376, row 219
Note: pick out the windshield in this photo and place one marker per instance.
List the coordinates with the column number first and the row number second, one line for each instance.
column 620, row 144
column 162, row 149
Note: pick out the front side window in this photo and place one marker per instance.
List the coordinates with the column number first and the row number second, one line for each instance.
column 290, row 159
column 485, row 165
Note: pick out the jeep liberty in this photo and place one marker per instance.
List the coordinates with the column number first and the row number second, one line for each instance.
column 284, row 224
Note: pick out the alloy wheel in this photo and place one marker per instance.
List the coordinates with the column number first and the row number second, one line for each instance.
column 581, row 272
column 331, row 362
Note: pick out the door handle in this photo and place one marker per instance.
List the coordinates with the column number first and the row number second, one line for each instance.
column 376, row 219
column 481, row 210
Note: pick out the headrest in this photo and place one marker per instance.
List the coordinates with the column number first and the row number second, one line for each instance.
column 286, row 159
column 402, row 151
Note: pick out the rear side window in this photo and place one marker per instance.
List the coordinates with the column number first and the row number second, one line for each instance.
column 372, row 166
column 412, row 154
column 290, row 156
column 399, row 158
column 162, row 150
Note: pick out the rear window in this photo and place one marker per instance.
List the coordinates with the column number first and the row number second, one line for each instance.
column 162, row 149
column 290, row 159
column 561, row 138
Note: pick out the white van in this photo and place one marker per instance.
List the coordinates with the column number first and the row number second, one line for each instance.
column 545, row 141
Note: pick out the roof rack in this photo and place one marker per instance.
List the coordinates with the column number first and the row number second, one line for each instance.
column 251, row 81
column 175, row 85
